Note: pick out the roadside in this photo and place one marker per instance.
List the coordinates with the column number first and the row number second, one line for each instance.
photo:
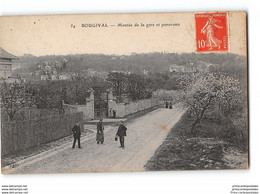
column 208, row 148
column 13, row 160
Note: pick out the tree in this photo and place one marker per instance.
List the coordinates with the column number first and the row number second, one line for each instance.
column 77, row 72
column 158, row 80
column 15, row 96
column 134, row 86
column 137, row 87
column 118, row 81
column 202, row 91
column 48, row 95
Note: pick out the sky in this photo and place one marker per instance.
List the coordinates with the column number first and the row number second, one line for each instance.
column 64, row 34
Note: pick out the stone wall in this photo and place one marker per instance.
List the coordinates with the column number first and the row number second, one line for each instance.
column 124, row 109
column 87, row 109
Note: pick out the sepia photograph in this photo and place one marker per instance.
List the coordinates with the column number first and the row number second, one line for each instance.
column 100, row 93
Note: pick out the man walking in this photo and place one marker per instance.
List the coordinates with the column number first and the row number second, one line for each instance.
column 121, row 133
column 76, row 134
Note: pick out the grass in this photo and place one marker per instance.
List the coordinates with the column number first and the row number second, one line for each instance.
column 213, row 145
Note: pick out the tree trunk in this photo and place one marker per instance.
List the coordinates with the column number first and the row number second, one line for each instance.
column 198, row 119
column 200, row 115
column 194, row 124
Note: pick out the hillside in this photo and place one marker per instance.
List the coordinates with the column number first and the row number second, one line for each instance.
column 152, row 62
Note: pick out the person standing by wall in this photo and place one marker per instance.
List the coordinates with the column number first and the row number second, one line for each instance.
column 170, row 106
column 121, row 133
column 100, row 132
column 76, row 134
column 114, row 114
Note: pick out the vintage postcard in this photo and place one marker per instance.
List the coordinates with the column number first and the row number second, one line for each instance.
column 123, row 92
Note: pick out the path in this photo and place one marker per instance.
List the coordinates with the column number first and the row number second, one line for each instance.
column 144, row 135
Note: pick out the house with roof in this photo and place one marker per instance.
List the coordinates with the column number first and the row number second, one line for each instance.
column 192, row 66
column 6, row 61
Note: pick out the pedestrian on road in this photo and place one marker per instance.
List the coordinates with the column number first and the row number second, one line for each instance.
column 100, row 132
column 121, row 133
column 170, row 106
column 166, row 104
column 76, row 134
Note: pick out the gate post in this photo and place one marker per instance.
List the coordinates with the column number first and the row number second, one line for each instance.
column 111, row 105
column 90, row 105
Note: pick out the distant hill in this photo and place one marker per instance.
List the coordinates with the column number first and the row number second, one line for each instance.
column 152, row 62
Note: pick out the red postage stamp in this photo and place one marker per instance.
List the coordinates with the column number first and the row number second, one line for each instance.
column 211, row 32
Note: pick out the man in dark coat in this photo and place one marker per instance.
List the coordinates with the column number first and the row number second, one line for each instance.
column 100, row 132
column 166, row 104
column 121, row 133
column 76, row 134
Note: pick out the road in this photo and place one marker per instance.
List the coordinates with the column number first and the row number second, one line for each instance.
column 144, row 135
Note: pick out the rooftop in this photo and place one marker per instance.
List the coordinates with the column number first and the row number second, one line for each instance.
column 4, row 54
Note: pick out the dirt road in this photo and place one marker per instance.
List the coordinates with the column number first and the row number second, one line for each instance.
column 144, row 135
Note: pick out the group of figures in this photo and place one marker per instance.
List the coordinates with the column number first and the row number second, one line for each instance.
column 168, row 105
column 121, row 133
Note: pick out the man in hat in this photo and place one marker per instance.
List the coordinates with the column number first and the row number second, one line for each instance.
column 100, row 132
column 121, row 133
column 76, row 134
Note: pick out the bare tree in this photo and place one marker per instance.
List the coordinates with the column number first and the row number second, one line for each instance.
column 15, row 96
column 119, row 82
column 77, row 72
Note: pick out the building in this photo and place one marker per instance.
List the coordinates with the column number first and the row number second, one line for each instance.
column 44, row 77
column 145, row 72
column 121, row 71
column 63, row 77
column 54, row 77
column 192, row 67
column 176, row 68
column 6, row 61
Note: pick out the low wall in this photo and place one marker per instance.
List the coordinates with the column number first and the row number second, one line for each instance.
column 87, row 109
column 124, row 109
column 120, row 109
column 19, row 135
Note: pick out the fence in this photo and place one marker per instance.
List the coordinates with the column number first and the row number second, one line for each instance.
column 20, row 135
column 28, row 114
